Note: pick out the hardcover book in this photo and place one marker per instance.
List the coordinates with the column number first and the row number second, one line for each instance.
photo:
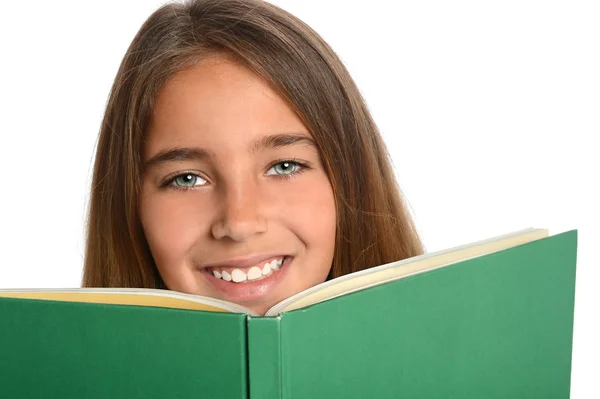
column 489, row 319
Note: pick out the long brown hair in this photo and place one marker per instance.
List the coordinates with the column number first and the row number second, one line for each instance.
column 373, row 222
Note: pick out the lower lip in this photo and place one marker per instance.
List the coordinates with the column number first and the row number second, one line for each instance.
column 251, row 290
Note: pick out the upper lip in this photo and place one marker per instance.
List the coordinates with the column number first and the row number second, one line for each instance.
column 245, row 261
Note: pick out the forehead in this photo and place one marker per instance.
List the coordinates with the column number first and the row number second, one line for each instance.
column 216, row 101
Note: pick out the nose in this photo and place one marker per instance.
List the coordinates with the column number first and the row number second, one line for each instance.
column 240, row 213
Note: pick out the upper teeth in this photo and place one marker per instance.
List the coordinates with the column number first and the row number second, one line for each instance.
column 254, row 273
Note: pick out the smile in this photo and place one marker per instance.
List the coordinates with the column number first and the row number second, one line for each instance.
column 251, row 274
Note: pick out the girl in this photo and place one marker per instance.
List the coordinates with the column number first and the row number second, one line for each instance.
column 238, row 160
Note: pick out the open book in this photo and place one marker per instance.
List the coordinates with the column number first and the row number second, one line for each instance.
column 492, row 319
column 328, row 290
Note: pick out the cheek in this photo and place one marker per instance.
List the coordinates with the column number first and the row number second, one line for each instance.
column 310, row 209
column 171, row 227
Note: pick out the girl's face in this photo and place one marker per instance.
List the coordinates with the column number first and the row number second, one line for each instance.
column 235, row 201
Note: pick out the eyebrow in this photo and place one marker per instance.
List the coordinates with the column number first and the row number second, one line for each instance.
column 175, row 155
column 280, row 140
column 180, row 154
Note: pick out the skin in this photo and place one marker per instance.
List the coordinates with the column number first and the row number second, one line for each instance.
column 234, row 198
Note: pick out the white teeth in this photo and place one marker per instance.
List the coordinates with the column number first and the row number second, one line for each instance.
column 275, row 265
column 254, row 273
column 266, row 269
column 226, row 276
column 238, row 276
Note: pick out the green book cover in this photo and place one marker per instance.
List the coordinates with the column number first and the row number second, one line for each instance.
column 80, row 350
column 498, row 325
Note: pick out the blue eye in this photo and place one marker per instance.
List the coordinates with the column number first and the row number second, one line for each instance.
column 284, row 168
column 188, row 180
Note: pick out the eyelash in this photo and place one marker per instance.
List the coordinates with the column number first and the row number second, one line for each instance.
column 302, row 166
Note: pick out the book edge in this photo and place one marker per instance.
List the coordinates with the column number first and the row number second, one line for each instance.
column 299, row 301
column 38, row 293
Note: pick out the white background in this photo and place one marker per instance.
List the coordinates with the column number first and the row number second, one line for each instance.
column 491, row 111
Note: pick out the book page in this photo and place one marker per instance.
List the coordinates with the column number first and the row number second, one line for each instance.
column 381, row 274
column 129, row 296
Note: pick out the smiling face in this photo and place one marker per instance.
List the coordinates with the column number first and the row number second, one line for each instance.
column 235, row 201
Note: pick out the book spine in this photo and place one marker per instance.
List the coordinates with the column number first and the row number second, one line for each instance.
column 264, row 357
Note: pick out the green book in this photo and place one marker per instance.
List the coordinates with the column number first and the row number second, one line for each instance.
column 492, row 319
